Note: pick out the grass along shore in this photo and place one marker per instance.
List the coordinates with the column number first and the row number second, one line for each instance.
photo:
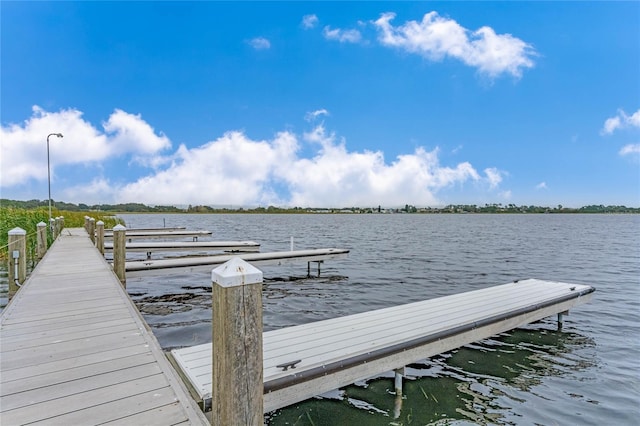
column 28, row 219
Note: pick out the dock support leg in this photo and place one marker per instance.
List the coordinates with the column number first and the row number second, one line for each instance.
column 399, row 373
column 308, row 269
column 397, row 407
column 561, row 319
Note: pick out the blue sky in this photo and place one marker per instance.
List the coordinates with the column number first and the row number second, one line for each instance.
column 317, row 104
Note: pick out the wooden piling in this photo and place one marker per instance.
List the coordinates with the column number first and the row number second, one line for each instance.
column 41, row 244
column 237, row 344
column 100, row 236
column 17, row 264
column 92, row 230
column 86, row 223
column 52, row 227
column 119, row 252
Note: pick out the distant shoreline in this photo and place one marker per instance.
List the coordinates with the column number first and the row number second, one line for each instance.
column 407, row 209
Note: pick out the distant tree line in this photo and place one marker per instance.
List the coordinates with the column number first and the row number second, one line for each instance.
column 452, row 208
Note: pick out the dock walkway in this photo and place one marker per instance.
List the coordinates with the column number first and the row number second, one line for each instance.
column 75, row 350
column 314, row 358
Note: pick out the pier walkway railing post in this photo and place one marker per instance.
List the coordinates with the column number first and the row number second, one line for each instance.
column 41, row 244
column 92, row 230
column 237, row 389
column 100, row 236
column 52, row 227
column 120, row 252
column 59, row 224
column 17, row 259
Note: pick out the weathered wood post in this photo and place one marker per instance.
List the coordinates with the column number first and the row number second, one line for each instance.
column 41, row 241
column 86, row 223
column 100, row 236
column 17, row 259
column 61, row 223
column 120, row 252
column 92, row 230
column 237, row 344
column 52, row 227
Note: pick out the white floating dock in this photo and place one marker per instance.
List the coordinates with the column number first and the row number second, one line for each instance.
column 155, row 246
column 179, row 233
column 337, row 352
column 206, row 263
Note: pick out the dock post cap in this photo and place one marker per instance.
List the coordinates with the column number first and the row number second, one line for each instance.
column 17, row 231
column 91, row 219
column 41, row 224
column 99, row 222
column 119, row 227
column 236, row 272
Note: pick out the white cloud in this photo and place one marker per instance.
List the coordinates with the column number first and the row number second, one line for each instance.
column 611, row 124
column 630, row 149
column 343, row 36
column 127, row 131
column 313, row 115
column 260, row 43
column 494, row 176
column 620, row 121
column 436, row 37
column 309, row 21
column 541, row 185
column 232, row 169
column 24, row 147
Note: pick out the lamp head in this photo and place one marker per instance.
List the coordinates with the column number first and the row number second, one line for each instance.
column 58, row 134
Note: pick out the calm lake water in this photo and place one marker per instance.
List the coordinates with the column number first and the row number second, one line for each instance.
column 588, row 373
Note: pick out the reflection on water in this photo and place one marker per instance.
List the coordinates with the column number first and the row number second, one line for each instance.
column 478, row 383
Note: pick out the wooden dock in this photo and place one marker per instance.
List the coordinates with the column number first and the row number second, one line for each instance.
column 310, row 359
column 75, row 350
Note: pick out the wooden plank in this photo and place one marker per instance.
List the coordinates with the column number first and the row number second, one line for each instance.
column 57, row 407
column 42, row 381
column 61, row 339
column 114, row 412
column 81, row 385
column 23, row 372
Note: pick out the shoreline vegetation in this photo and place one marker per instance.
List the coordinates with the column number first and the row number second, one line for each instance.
column 13, row 216
column 113, row 209
column 27, row 214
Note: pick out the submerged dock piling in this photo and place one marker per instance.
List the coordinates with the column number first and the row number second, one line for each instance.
column 237, row 373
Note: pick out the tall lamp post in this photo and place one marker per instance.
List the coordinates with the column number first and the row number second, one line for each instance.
column 49, row 171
